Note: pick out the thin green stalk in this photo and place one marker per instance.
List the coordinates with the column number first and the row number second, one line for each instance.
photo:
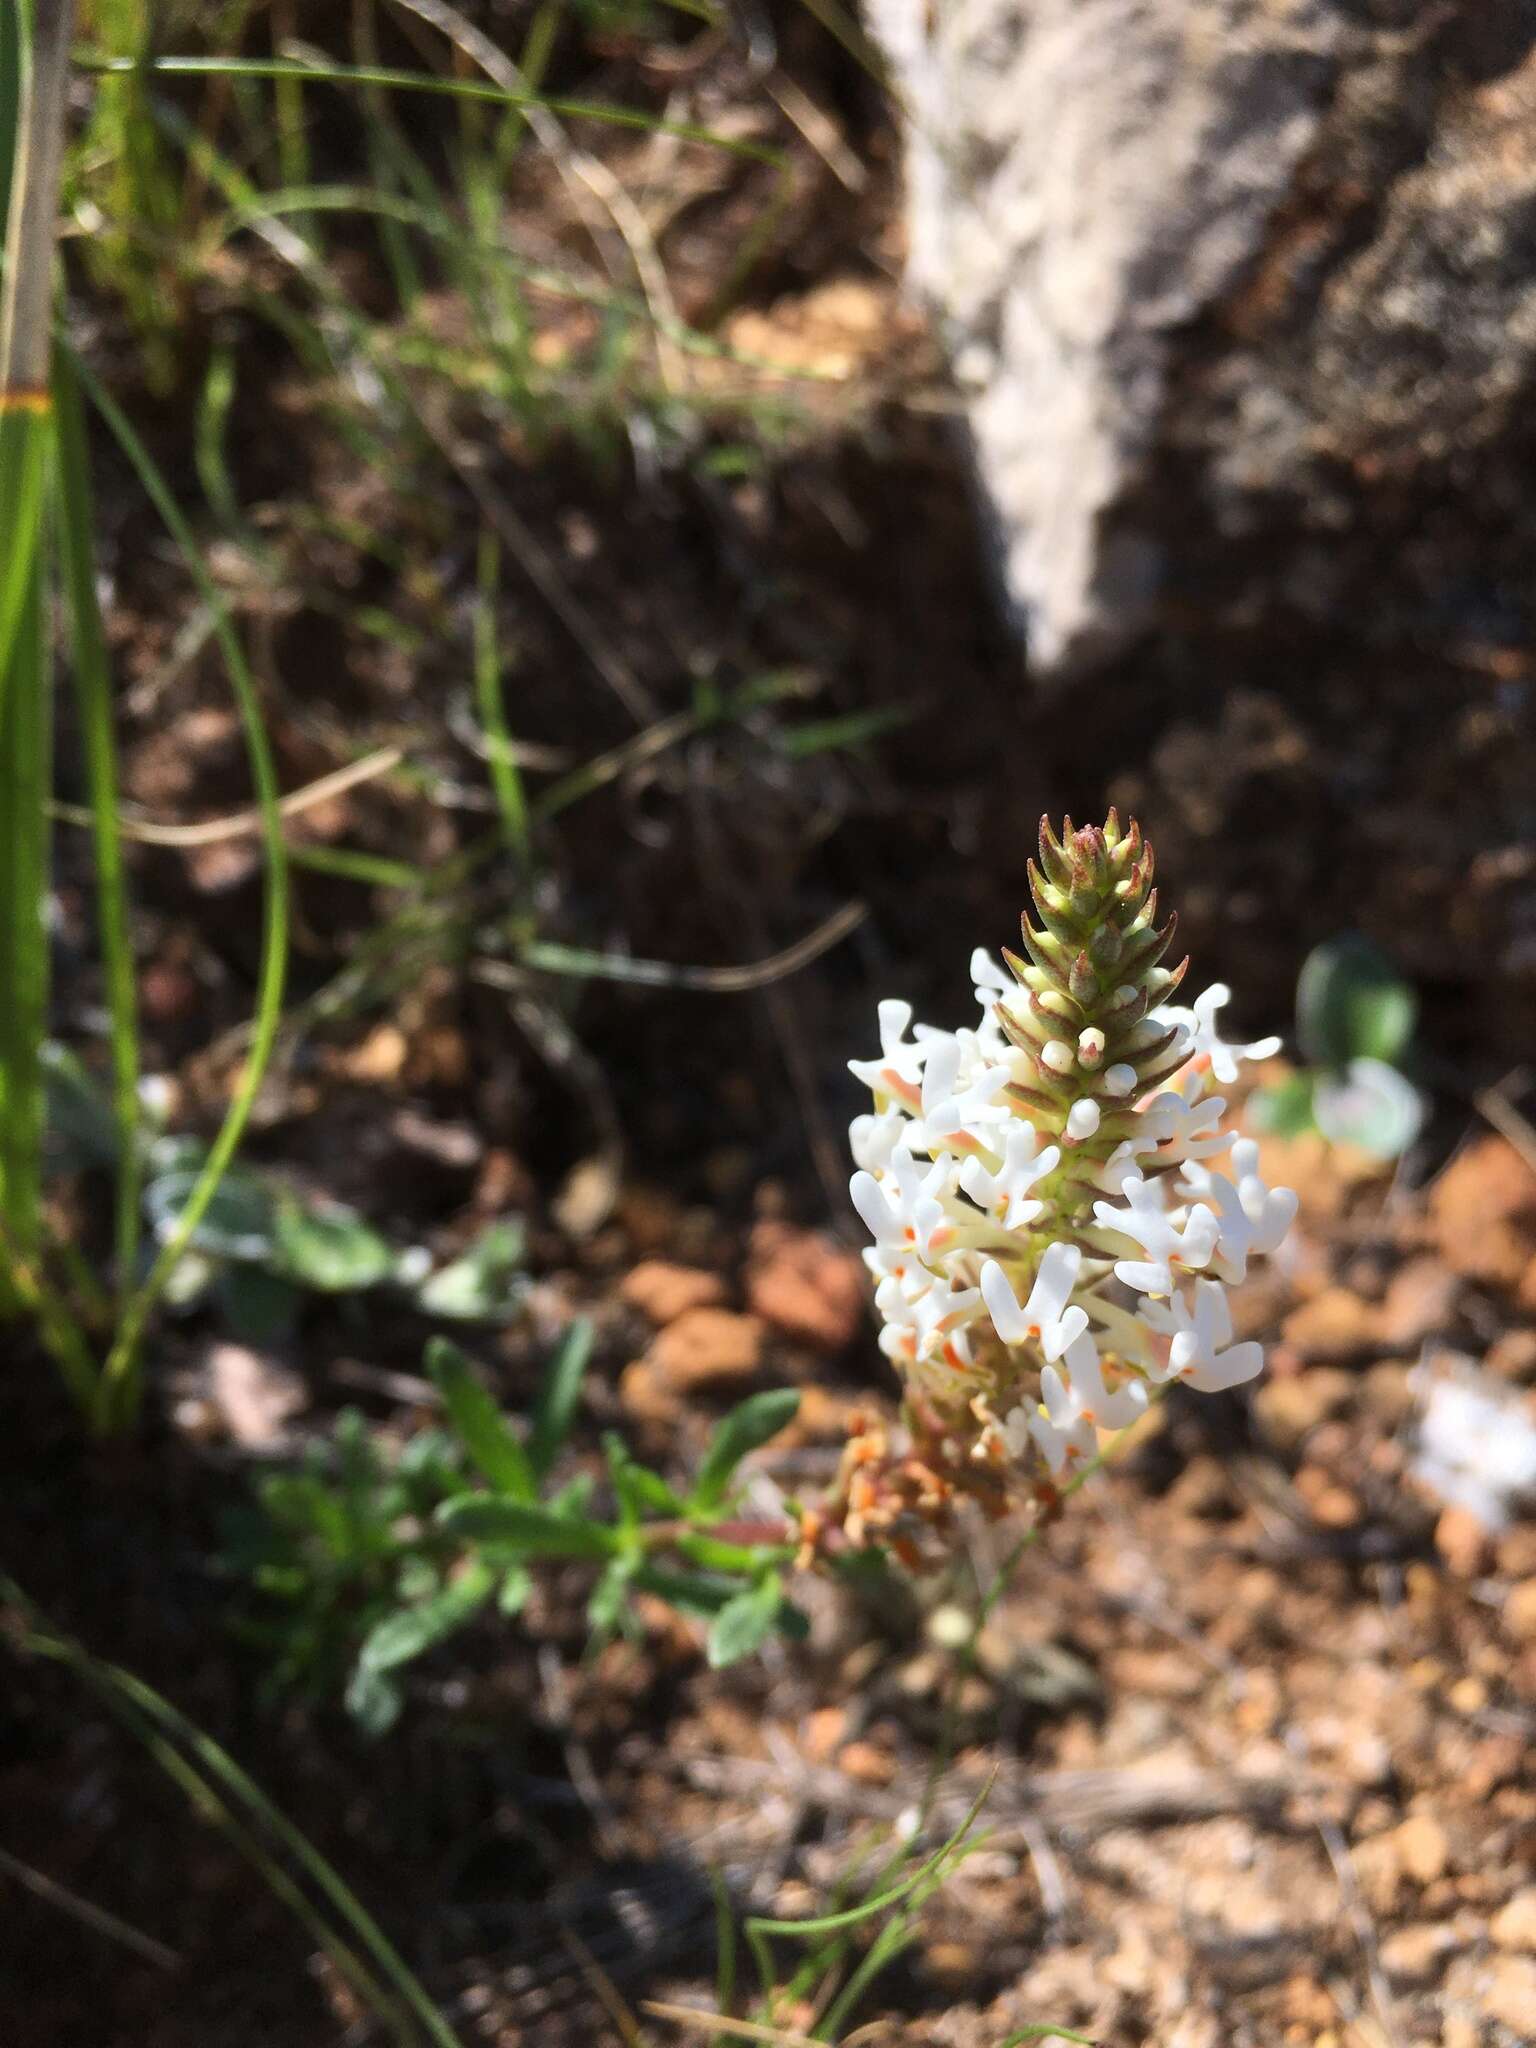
column 505, row 779
column 965, row 1662
column 93, row 694
column 121, row 1374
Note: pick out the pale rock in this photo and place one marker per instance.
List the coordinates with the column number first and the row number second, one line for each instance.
column 1510, row 1996
column 1424, row 1847
column 664, row 1291
column 1412, row 1956
column 1514, row 1925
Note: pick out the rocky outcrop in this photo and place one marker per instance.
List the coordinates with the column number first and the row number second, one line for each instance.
column 1240, row 296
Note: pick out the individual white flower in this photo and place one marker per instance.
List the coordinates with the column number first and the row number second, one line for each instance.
column 1046, row 1318
column 899, row 1068
column 1076, row 1405
column 952, row 1099
column 1202, row 1353
column 1005, row 1194
column 1063, row 1437
column 940, row 1310
column 895, row 1224
column 1170, row 1245
column 1206, row 1042
column 1125, row 1333
column 990, row 977
column 872, row 1139
column 993, row 985
column 903, row 1209
column 1182, row 1127
column 1090, row 1397
column 1251, row 1217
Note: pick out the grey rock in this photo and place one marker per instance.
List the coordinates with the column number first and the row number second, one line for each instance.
column 1240, row 298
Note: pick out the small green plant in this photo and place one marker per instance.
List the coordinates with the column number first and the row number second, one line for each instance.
column 1355, row 1017
column 368, row 1557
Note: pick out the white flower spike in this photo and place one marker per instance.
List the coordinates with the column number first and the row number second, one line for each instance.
column 1052, row 1235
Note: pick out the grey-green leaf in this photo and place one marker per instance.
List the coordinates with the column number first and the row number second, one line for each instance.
column 1370, row 1105
column 478, row 1421
column 239, row 1223
column 747, row 1428
column 331, row 1250
column 374, row 1700
column 483, row 1285
column 1351, row 1003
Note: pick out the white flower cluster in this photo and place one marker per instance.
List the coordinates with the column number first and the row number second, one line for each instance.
column 1001, row 1218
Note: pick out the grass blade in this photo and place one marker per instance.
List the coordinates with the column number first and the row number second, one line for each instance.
column 215, row 1783
column 427, row 82
column 120, row 1375
column 93, row 693
column 505, row 779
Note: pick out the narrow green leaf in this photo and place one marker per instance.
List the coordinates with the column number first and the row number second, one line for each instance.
column 744, row 1624
column 506, row 780
column 853, row 729
column 516, row 1585
column 640, row 1490
column 514, row 1525
column 747, row 1428
column 701, row 1594
column 608, row 1604
column 408, row 1633
column 714, row 1555
column 554, row 1412
column 481, row 1427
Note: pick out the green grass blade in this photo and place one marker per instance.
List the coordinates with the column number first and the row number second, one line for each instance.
column 121, row 1375
column 426, row 82
column 505, row 779
column 25, row 768
column 215, row 1783
column 93, row 694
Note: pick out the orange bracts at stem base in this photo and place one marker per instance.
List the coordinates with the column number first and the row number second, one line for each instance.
column 27, row 398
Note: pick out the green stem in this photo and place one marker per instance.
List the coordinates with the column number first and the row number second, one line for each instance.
column 121, row 1375
column 93, row 694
